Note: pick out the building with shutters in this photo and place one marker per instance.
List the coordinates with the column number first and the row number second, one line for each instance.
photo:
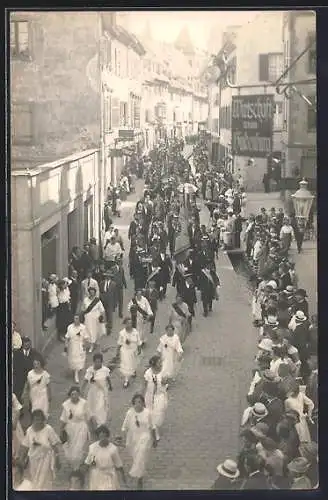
column 300, row 124
column 122, row 75
column 55, row 134
column 256, row 60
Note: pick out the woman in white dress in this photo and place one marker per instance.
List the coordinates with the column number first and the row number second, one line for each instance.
column 93, row 313
column 41, row 446
column 156, row 392
column 171, row 352
column 140, row 436
column 38, row 388
column 297, row 401
column 142, row 311
column 17, row 431
column 97, row 379
column 74, row 431
column 103, row 461
column 128, row 349
column 76, row 340
column 286, row 235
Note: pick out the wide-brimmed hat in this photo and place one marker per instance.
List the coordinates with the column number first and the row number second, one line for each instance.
column 300, row 317
column 260, row 430
column 272, row 321
column 269, row 376
column 228, row 469
column 68, row 281
column 309, row 451
column 53, row 276
column 299, row 465
column 289, row 289
column 265, row 345
column 259, row 410
column 301, row 292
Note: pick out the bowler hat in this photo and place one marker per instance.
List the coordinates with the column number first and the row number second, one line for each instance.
column 260, row 430
column 259, row 410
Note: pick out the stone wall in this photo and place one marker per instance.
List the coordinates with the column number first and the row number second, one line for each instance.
column 66, row 107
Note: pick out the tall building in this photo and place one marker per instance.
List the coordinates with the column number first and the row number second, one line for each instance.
column 299, row 130
column 250, row 111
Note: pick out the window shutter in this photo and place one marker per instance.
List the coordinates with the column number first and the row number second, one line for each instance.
column 115, row 112
column 263, row 67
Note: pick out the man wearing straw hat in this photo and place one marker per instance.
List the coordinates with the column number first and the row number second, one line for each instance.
column 228, row 476
column 297, row 469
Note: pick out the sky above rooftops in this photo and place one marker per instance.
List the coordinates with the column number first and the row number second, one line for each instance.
column 166, row 25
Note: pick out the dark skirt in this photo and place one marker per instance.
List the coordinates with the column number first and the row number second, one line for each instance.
column 63, row 318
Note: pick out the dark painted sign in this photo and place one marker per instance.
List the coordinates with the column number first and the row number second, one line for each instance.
column 252, row 125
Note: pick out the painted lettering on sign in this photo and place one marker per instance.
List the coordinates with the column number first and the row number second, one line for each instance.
column 252, row 125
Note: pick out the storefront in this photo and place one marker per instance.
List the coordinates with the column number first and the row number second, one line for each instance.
column 55, row 207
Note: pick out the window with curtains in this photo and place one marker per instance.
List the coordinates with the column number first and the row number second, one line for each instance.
column 136, row 113
column 19, row 39
column 270, row 67
column 124, row 114
column 312, row 55
column 311, row 114
column 107, row 114
column 22, row 123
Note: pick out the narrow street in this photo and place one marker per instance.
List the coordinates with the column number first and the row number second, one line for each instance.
column 186, row 456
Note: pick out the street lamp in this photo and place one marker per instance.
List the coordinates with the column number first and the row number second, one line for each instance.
column 302, row 201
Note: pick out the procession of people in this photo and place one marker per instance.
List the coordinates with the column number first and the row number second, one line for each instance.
column 86, row 303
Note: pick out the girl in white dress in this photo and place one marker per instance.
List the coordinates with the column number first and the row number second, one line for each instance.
column 97, row 378
column 103, row 461
column 129, row 347
column 297, row 400
column 74, row 428
column 18, row 433
column 171, row 352
column 41, row 445
column 38, row 388
column 156, row 392
column 140, row 436
column 143, row 313
column 76, row 340
column 94, row 317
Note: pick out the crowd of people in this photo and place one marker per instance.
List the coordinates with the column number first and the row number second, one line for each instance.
column 84, row 305
column 168, row 246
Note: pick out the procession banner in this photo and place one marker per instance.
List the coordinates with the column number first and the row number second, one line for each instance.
column 252, row 125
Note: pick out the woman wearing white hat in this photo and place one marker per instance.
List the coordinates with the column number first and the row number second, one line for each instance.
column 228, row 476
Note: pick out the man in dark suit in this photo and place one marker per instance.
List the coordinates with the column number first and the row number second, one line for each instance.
column 133, row 227
column 152, row 295
column 188, row 294
column 194, row 232
column 107, row 216
column 22, row 363
column 108, row 296
column 208, row 281
column 165, row 264
column 120, row 281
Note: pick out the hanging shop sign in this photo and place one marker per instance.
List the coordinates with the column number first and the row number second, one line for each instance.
column 252, row 125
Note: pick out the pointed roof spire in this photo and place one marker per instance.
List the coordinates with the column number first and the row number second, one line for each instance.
column 183, row 42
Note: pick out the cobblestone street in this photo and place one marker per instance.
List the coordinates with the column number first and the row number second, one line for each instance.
column 204, row 411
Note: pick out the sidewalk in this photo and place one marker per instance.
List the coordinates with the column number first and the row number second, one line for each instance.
column 306, row 261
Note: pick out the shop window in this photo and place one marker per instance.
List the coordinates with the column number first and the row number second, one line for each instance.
column 311, row 115
column 270, row 67
column 22, row 123
column 19, row 39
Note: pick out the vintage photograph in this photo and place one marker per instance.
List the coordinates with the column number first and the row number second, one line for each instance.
column 163, row 250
